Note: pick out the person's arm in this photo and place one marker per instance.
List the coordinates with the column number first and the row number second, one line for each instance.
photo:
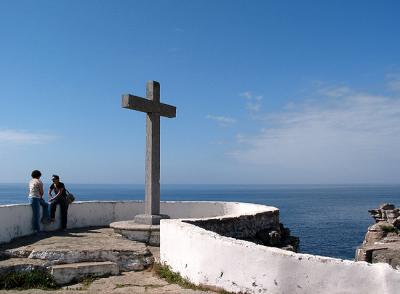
column 60, row 191
column 41, row 192
column 50, row 193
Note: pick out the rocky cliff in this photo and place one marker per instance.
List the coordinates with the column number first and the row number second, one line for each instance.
column 382, row 241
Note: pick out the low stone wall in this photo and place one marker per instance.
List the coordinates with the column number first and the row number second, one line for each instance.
column 241, row 227
column 204, row 257
column 16, row 220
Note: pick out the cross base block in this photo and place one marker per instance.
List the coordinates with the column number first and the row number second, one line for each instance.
column 149, row 234
column 150, row 219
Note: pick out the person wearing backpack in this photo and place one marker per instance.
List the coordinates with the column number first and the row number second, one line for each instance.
column 59, row 197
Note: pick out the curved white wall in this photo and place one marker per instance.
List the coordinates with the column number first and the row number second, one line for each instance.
column 16, row 219
column 206, row 258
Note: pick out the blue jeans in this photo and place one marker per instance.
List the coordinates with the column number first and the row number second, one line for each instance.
column 36, row 203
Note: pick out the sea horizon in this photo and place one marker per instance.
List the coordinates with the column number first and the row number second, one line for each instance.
column 219, row 184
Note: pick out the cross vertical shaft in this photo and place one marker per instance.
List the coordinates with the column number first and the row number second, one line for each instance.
column 152, row 189
column 154, row 109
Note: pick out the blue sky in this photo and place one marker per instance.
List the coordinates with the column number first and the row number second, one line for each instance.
column 267, row 92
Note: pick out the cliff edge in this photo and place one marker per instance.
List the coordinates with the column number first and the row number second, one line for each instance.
column 382, row 241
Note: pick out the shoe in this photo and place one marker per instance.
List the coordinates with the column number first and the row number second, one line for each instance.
column 45, row 221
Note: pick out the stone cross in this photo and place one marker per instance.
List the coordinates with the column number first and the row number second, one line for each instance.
column 154, row 110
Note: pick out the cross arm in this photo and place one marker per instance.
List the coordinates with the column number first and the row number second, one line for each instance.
column 146, row 105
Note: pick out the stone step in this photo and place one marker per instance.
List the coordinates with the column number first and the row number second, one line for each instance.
column 89, row 245
column 67, row 273
column 127, row 260
column 20, row 264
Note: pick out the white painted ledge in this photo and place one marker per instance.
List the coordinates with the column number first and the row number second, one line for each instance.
column 16, row 219
column 206, row 258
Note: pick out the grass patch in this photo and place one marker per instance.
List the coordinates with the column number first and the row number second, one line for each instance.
column 24, row 280
column 171, row 277
column 389, row 229
column 87, row 281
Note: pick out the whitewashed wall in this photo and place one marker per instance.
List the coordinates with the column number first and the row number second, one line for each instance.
column 206, row 258
column 16, row 220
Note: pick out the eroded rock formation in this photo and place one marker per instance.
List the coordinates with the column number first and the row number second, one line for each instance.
column 262, row 228
column 279, row 237
column 382, row 241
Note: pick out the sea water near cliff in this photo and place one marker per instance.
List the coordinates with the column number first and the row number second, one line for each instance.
column 331, row 220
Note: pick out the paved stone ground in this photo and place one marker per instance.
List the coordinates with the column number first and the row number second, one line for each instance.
column 93, row 239
column 127, row 282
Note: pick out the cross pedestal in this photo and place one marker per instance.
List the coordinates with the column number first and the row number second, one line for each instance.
column 152, row 106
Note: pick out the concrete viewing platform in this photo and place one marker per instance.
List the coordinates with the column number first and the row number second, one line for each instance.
column 73, row 254
column 125, row 265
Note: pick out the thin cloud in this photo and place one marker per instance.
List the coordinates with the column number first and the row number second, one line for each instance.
column 354, row 136
column 174, row 49
column 334, row 91
column 247, row 95
column 222, row 121
column 24, row 137
column 220, row 142
column 393, row 82
column 253, row 102
column 253, row 106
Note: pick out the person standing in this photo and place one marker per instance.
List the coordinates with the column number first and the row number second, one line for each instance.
column 36, row 200
column 58, row 188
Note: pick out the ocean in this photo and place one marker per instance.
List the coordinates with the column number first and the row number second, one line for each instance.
column 330, row 220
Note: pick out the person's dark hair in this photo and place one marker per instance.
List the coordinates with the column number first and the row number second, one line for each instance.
column 55, row 177
column 36, row 174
